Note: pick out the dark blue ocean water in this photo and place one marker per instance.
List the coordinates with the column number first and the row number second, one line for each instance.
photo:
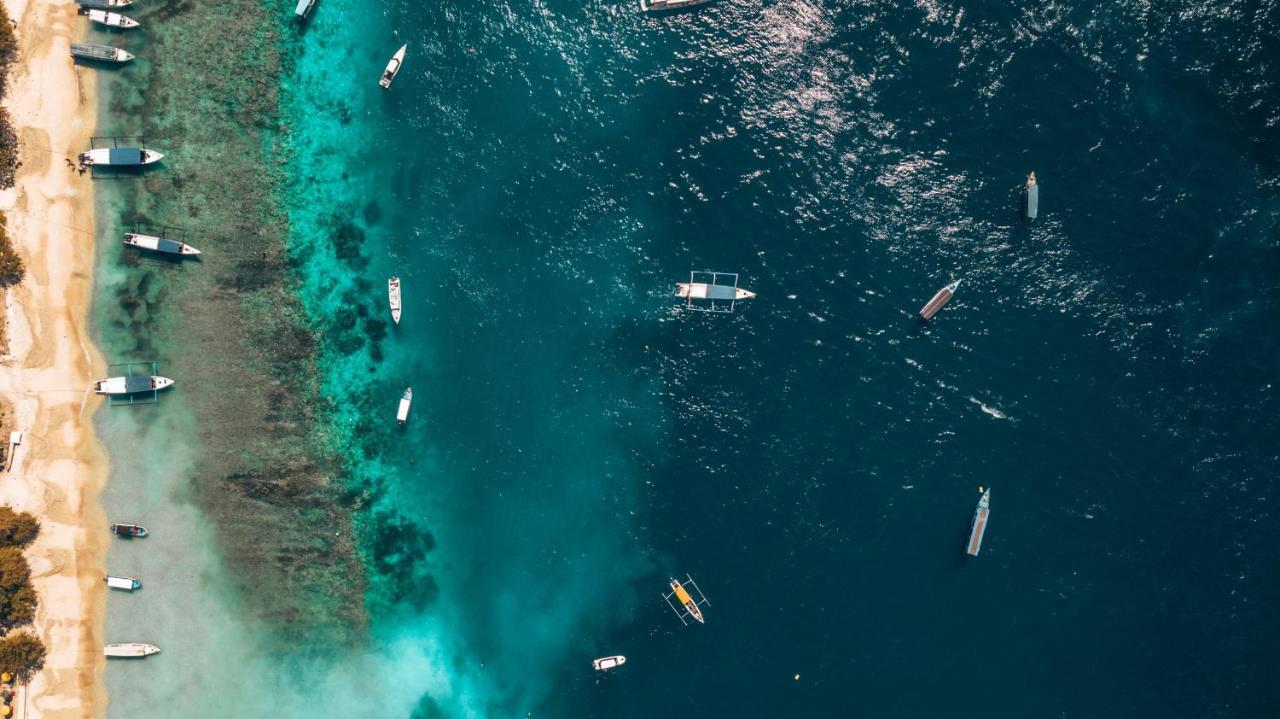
column 541, row 174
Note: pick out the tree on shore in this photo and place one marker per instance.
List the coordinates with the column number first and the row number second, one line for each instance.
column 11, row 265
column 21, row 655
column 17, row 596
column 17, row 529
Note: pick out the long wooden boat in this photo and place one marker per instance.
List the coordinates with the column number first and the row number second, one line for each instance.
column 102, row 53
column 159, row 244
column 104, row 4
column 659, row 5
column 979, row 527
column 1032, row 197
column 120, row 157
column 131, row 384
column 939, row 300
column 110, row 19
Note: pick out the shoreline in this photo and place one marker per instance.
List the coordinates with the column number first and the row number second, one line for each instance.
column 60, row 468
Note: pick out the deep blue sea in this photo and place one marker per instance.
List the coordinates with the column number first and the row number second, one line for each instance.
column 540, row 176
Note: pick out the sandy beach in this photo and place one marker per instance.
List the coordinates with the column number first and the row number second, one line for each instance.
column 59, row 468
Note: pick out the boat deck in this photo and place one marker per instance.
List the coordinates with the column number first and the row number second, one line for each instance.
column 979, row 528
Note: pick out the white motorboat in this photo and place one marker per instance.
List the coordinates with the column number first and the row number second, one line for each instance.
column 132, row 384
column 402, row 412
column 127, row 584
column 104, row 53
column 159, row 244
column 939, row 300
column 110, row 19
column 393, row 68
column 120, row 156
column 130, row 651
column 393, row 296
column 605, row 663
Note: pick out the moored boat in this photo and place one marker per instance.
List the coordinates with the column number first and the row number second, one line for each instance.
column 710, row 291
column 393, row 68
column 103, row 4
column 1032, row 197
column 605, row 663
column 402, row 412
column 131, row 384
column 130, row 651
column 939, row 300
column 103, row 53
column 303, row 8
column 979, row 527
column 129, row 531
column 159, row 244
column 120, row 157
column 704, row 291
column 393, row 296
column 127, row 584
column 110, row 19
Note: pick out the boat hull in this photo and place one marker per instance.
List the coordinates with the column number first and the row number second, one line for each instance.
column 939, row 300
column 393, row 298
column 160, row 244
column 130, row 651
column 607, row 663
column 131, row 385
column 131, row 157
column 402, row 412
column 1031, row 198
column 393, row 68
column 669, row 5
column 979, row 527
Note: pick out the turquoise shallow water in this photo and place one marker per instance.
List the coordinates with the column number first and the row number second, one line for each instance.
column 540, row 175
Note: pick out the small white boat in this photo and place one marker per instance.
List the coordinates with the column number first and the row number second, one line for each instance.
column 110, row 19
column 605, row 663
column 127, row 584
column 104, row 4
column 704, row 291
column 303, row 8
column 103, row 53
column 130, row 651
column 159, row 244
column 402, row 412
column 393, row 67
column 132, row 384
column 939, row 300
column 393, row 295
column 120, row 156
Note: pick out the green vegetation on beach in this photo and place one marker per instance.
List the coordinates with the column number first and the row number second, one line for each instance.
column 21, row 653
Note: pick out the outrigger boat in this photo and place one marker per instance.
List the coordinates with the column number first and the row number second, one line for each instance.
column 939, row 300
column 131, row 384
column 104, row 4
column 979, row 523
column 130, row 651
column 605, row 663
column 127, row 584
column 104, row 53
column 110, row 19
column 656, row 5
column 393, row 68
column 393, row 296
column 706, row 288
column 1032, row 197
column 402, row 412
column 159, row 244
column 689, row 606
column 120, row 157
column 129, row 531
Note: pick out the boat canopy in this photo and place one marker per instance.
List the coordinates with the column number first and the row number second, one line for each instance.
column 170, row 246
column 124, row 156
column 137, row 383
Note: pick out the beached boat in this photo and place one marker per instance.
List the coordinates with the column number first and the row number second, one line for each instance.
column 127, row 584
column 129, row 531
column 130, row 651
column 393, row 68
column 131, row 384
column 656, row 5
column 393, row 296
column 104, row 4
column 979, row 523
column 604, row 663
column 110, row 19
column 159, row 244
column 103, row 53
column 303, row 8
column 939, row 300
column 402, row 412
column 1032, row 197
column 120, row 157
